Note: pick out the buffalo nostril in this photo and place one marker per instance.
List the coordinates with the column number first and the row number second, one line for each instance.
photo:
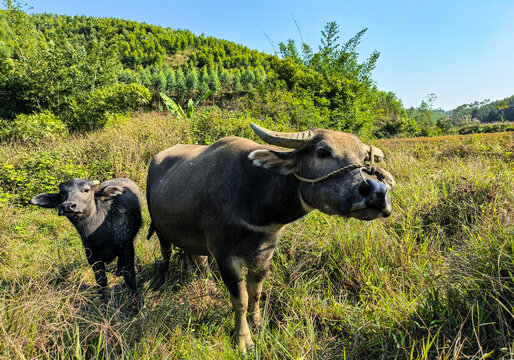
column 377, row 188
column 364, row 189
column 73, row 206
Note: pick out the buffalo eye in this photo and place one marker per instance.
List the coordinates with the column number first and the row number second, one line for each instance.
column 323, row 153
column 86, row 191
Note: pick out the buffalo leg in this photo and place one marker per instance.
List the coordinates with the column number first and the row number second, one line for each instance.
column 203, row 264
column 166, row 254
column 233, row 279
column 255, row 279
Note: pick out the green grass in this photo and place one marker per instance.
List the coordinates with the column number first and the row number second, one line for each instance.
column 433, row 281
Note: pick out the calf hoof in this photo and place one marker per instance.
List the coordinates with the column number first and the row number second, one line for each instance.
column 104, row 297
column 137, row 302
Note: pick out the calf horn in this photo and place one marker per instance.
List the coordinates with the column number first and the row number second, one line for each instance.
column 297, row 140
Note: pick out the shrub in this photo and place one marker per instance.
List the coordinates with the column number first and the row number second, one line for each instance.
column 211, row 124
column 486, row 128
column 92, row 112
column 35, row 128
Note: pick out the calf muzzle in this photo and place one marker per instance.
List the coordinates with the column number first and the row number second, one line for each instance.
column 68, row 207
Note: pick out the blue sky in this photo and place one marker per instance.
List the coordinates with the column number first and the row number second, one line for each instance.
column 462, row 51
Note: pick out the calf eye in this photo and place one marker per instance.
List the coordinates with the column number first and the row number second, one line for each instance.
column 323, row 153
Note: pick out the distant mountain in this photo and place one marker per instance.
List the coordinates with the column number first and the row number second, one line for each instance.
column 165, row 59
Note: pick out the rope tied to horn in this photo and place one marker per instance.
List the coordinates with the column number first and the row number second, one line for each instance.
column 370, row 169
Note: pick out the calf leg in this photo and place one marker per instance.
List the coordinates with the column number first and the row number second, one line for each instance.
column 121, row 266
column 233, row 279
column 255, row 279
column 101, row 278
column 129, row 274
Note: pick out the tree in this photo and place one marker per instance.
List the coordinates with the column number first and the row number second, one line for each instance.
column 214, row 82
column 52, row 71
column 341, row 87
column 170, row 79
column 236, row 79
column 192, row 80
column 159, row 80
column 203, row 75
column 247, row 77
column 225, row 78
column 180, row 84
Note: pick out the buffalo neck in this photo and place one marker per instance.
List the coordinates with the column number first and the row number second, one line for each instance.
column 273, row 199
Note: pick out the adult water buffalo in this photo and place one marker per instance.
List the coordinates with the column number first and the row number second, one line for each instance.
column 231, row 199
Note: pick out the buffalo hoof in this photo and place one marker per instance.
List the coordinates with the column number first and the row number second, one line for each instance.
column 256, row 320
column 244, row 343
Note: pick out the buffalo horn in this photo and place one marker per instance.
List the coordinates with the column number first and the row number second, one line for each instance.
column 377, row 154
column 298, row 140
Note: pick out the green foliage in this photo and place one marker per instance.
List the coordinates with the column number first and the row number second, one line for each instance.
column 209, row 125
column 395, row 121
column 33, row 129
column 485, row 128
column 172, row 106
column 332, row 78
column 75, row 78
column 486, row 111
column 93, row 110
column 41, row 171
column 99, row 52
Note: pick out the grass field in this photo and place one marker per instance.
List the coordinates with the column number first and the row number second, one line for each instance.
column 433, row 281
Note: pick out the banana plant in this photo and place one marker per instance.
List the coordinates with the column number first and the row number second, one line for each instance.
column 176, row 110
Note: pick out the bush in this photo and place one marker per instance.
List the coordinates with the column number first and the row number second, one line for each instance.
column 93, row 112
column 35, row 128
column 288, row 110
column 486, row 128
column 211, row 124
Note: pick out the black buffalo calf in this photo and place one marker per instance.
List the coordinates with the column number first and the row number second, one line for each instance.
column 107, row 218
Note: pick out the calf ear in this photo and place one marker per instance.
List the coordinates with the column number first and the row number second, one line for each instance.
column 281, row 162
column 109, row 192
column 45, row 200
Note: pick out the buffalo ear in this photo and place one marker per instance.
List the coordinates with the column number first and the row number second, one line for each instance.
column 281, row 162
column 109, row 192
column 388, row 179
column 45, row 200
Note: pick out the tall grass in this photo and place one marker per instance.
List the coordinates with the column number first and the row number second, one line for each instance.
column 433, row 281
